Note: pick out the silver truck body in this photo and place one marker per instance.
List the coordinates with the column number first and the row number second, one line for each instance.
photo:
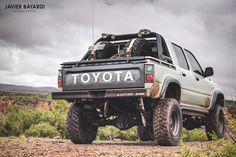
column 140, row 79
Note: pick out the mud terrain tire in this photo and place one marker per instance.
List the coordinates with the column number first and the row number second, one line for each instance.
column 108, row 51
column 79, row 129
column 145, row 133
column 167, row 122
column 215, row 123
column 140, row 47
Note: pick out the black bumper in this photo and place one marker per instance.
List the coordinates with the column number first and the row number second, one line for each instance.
column 109, row 93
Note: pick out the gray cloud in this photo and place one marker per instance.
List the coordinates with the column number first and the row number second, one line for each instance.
column 32, row 45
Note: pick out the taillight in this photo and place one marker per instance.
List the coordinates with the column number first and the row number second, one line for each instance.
column 149, row 78
column 149, row 73
column 59, row 80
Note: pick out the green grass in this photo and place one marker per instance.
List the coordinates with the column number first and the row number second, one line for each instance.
column 43, row 129
column 194, row 135
column 231, row 106
column 216, row 148
column 112, row 133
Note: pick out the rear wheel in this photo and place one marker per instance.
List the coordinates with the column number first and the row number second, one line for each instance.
column 79, row 127
column 215, row 123
column 167, row 122
column 145, row 133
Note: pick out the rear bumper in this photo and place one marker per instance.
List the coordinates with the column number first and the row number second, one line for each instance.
column 109, row 93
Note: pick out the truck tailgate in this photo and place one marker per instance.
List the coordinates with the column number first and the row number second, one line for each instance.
column 98, row 77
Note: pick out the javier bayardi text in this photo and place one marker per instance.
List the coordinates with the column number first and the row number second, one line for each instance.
column 24, row 7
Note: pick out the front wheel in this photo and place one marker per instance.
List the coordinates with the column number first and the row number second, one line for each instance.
column 79, row 127
column 167, row 122
column 215, row 122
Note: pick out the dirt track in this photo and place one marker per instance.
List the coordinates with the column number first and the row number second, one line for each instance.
column 13, row 146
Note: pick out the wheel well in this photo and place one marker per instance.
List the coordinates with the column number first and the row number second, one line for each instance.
column 173, row 91
column 220, row 100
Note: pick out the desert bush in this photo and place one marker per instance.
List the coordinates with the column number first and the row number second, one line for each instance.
column 19, row 119
column 194, row 135
column 111, row 133
column 3, row 131
column 43, row 129
column 231, row 105
column 57, row 117
column 26, row 96
column 215, row 148
column 228, row 149
column 233, row 125
column 186, row 151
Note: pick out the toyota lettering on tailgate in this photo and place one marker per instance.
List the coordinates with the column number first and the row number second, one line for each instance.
column 87, row 78
column 84, row 80
column 106, row 77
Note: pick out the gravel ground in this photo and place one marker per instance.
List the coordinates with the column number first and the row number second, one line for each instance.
column 24, row 147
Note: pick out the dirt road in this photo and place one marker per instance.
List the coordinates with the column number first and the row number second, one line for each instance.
column 24, row 147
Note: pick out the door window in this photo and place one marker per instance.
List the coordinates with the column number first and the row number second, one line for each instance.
column 194, row 63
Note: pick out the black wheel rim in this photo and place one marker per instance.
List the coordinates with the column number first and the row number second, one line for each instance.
column 174, row 123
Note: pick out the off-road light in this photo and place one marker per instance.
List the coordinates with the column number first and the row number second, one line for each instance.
column 104, row 35
column 139, row 35
column 149, row 73
column 113, row 37
column 144, row 31
column 59, row 80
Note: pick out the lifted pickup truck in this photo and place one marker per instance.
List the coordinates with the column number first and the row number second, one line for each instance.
column 140, row 79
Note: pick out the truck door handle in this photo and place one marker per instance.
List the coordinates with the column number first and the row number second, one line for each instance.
column 183, row 74
column 197, row 78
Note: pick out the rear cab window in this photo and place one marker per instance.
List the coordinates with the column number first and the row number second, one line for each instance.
column 165, row 53
column 154, row 48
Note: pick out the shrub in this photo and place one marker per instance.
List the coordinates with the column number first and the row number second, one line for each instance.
column 20, row 119
column 216, row 148
column 233, row 125
column 26, row 97
column 57, row 117
column 60, row 109
column 42, row 129
column 3, row 131
column 194, row 135
column 186, row 151
column 228, row 149
column 111, row 133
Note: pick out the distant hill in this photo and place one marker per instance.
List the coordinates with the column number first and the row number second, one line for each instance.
column 26, row 89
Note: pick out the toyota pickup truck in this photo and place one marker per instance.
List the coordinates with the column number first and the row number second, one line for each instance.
column 144, row 80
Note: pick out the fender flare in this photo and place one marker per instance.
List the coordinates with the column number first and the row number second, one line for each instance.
column 216, row 93
column 167, row 81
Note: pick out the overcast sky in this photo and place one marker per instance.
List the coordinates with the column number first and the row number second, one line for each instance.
column 33, row 44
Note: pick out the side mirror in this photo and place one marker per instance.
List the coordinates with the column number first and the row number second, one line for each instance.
column 209, row 71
